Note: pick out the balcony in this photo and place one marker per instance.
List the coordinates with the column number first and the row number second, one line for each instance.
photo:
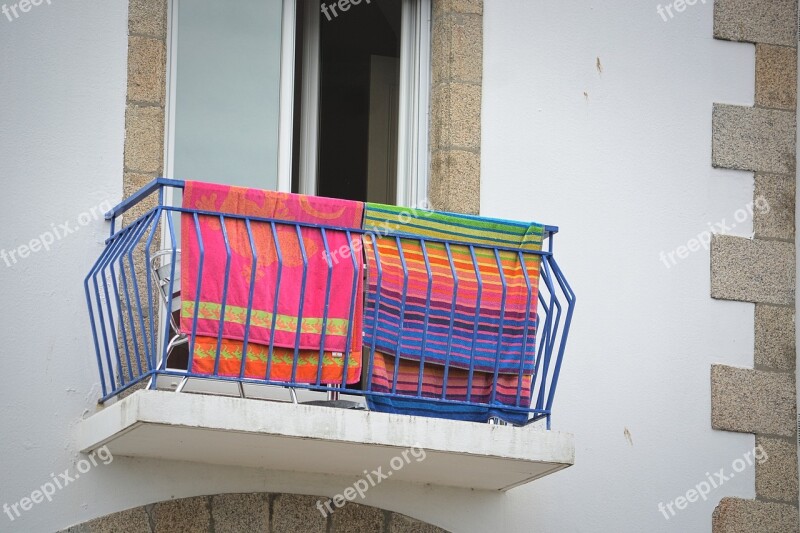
column 260, row 329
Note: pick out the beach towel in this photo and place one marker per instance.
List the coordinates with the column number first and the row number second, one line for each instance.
column 457, row 387
column 307, row 370
column 330, row 325
column 489, row 329
column 472, row 324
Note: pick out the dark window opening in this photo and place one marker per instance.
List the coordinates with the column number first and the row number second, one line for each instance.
column 358, row 103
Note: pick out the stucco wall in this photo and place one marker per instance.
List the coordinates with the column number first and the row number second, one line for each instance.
column 617, row 155
column 62, row 97
column 598, row 119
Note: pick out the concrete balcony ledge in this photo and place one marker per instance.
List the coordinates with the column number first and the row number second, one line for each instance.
column 306, row 438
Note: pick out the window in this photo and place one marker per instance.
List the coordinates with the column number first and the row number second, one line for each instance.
column 287, row 95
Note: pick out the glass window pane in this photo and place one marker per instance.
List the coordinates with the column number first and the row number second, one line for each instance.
column 227, row 91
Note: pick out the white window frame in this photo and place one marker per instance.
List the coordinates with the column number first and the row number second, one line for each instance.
column 286, row 112
column 413, row 149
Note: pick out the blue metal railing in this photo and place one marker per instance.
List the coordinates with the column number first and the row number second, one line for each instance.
column 132, row 344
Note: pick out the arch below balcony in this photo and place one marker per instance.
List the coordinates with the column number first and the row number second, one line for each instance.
column 254, row 513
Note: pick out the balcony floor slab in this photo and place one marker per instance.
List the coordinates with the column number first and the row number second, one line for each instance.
column 316, row 439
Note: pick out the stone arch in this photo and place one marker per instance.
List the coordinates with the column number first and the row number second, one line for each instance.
column 255, row 512
column 761, row 400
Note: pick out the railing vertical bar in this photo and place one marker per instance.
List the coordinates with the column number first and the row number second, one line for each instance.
column 112, row 251
column 328, row 277
column 92, row 276
column 251, row 293
column 378, row 282
column 137, row 293
column 120, row 246
column 553, row 338
column 565, row 287
column 524, row 354
column 302, row 303
column 225, row 284
column 544, row 341
column 402, row 314
column 426, row 316
column 118, row 297
column 196, row 314
column 150, row 303
column 477, row 269
column 126, row 291
column 142, row 223
column 500, row 326
column 275, row 302
column 454, row 273
column 555, row 308
column 137, row 234
column 171, row 292
column 353, row 295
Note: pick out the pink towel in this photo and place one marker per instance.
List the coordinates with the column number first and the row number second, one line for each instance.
column 345, row 280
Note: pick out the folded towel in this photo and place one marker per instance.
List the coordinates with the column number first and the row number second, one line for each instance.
column 301, row 294
column 383, row 370
column 280, row 369
column 463, row 326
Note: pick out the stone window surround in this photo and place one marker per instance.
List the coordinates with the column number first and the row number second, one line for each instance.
column 455, row 127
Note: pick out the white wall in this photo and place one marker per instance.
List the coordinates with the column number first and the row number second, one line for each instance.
column 626, row 174
column 62, row 96
column 625, row 171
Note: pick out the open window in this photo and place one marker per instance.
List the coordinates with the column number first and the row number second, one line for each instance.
column 298, row 95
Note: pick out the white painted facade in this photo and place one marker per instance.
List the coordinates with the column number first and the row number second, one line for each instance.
column 619, row 159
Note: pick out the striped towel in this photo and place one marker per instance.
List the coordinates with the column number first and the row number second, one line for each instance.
column 433, row 380
column 475, row 325
column 455, row 327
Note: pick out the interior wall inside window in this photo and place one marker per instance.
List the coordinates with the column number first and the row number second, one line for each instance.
column 358, row 102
